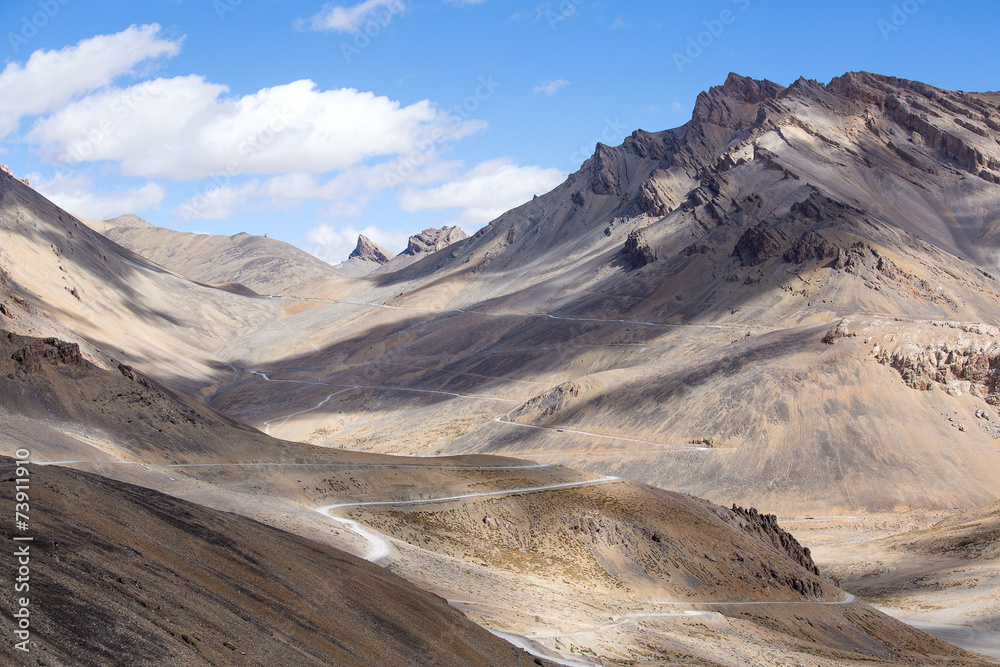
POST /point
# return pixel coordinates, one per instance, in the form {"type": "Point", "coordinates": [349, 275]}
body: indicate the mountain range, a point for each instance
{"type": "Point", "coordinates": [786, 307]}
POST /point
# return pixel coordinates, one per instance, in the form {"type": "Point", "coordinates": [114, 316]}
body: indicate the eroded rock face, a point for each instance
{"type": "Point", "coordinates": [726, 105]}
{"type": "Point", "coordinates": [637, 251]}
{"type": "Point", "coordinates": [432, 240]}
{"type": "Point", "coordinates": [370, 251]}
{"type": "Point", "coordinates": [48, 352]}
{"type": "Point", "coordinates": [961, 365]}
{"type": "Point", "coordinates": [838, 332]}
{"type": "Point", "coordinates": [915, 110]}
{"type": "Point", "coordinates": [766, 528]}
{"type": "Point", "coordinates": [955, 357]}
{"type": "Point", "coordinates": [808, 247]}
{"type": "Point", "coordinates": [653, 200]}
{"type": "Point", "coordinates": [757, 245]}
{"type": "Point", "coordinates": [604, 172]}
{"type": "Point", "coordinates": [547, 404]}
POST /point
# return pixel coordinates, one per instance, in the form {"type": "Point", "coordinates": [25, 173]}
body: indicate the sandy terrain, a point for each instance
{"type": "Point", "coordinates": [935, 570]}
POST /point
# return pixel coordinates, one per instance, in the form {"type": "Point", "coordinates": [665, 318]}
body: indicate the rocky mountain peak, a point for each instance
{"type": "Point", "coordinates": [370, 251]}
{"type": "Point", "coordinates": [729, 105]}
{"type": "Point", "coordinates": [432, 240]}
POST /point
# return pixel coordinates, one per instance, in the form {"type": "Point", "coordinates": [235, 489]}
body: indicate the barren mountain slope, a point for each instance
{"type": "Point", "coordinates": [265, 265]}
{"type": "Point", "coordinates": [648, 574]}
{"type": "Point", "coordinates": [60, 278]}
{"type": "Point", "coordinates": [122, 574]}
{"type": "Point", "coordinates": [537, 542]}
{"type": "Point", "coordinates": [678, 291]}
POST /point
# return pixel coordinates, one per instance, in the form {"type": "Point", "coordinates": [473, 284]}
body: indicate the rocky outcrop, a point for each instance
{"type": "Point", "coordinates": [637, 252]}
{"type": "Point", "coordinates": [840, 331]}
{"type": "Point", "coordinates": [4, 169]}
{"type": "Point", "coordinates": [757, 245]}
{"type": "Point", "coordinates": [861, 259]}
{"type": "Point", "coordinates": [432, 240]}
{"type": "Point", "coordinates": [890, 94]}
{"type": "Point", "coordinates": [129, 373]}
{"type": "Point", "coordinates": [369, 251]}
{"type": "Point", "coordinates": [47, 352]}
{"type": "Point", "coordinates": [765, 527]}
{"type": "Point", "coordinates": [547, 404]}
{"type": "Point", "coordinates": [654, 200]}
{"type": "Point", "coordinates": [808, 247]}
{"type": "Point", "coordinates": [955, 357]}
{"type": "Point", "coordinates": [727, 105]}
{"type": "Point", "coordinates": [965, 362]}
{"type": "Point", "coordinates": [604, 171]}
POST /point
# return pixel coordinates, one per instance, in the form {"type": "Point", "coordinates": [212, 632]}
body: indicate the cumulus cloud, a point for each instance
{"type": "Point", "coordinates": [334, 243]}
{"type": "Point", "coordinates": [337, 18]}
{"type": "Point", "coordinates": [76, 195]}
{"type": "Point", "coordinates": [217, 202]}
{"type": "Point", "coordinates": [270, 150]}
{"type": "Point", "coordinates": [51, 78]}
{"type": "Point", "coordinates": [186, 127]}
{"type": "Point", "coordinates": [551, 87]}
{"type": "Point", "coordinates": [484, 192]}
{"type": "Point", "coordinates": [346, 194]}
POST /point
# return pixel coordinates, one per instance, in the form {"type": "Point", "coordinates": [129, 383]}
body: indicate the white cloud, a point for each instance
{"type": "Point", "coordinates": [337, 18]}
{"type": "Point", "coordinates": [334, 244]}
{"type": "Point", "coordinates": [51, 78]}
{"type": "Point", "coordinates": [345, 194]}
{"type": "Point", "coordinates": [486, 191]}
{"type": "Point", "coordinates": [618, 23]}
{"type": "Point", "coordinates": [186, 128]}
{"type": "Point", "coordinates": [76, 195]}
{"type": "Point", "coordinates": [358, 182]}
{"type": "Point", "coordinates": [270, 150]}
{"type": "Point", "coordinates": [216, 202]}
{"type": "Point", "coordinates": [551, 87]}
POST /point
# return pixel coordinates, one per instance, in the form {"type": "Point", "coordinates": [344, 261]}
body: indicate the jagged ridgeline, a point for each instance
{"type": "Point", "coordinates": [719, 255]}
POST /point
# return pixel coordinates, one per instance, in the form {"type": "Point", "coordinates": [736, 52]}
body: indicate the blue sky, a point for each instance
{"type": "Point", "coordinates": [313, 122]}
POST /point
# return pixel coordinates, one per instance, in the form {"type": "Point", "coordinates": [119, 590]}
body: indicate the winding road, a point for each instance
{"type": "Point", "coordinates": [267, 424]}
{"type": "Point", "coordinates": [500, 420]}
{"type": "Point", "coordinates": [348, 387]}
{"type": "Point", "coordinates": [379, 546]}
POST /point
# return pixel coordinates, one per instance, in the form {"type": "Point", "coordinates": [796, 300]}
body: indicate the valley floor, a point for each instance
{"type": "Point", "coordinates": [951, 596]}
